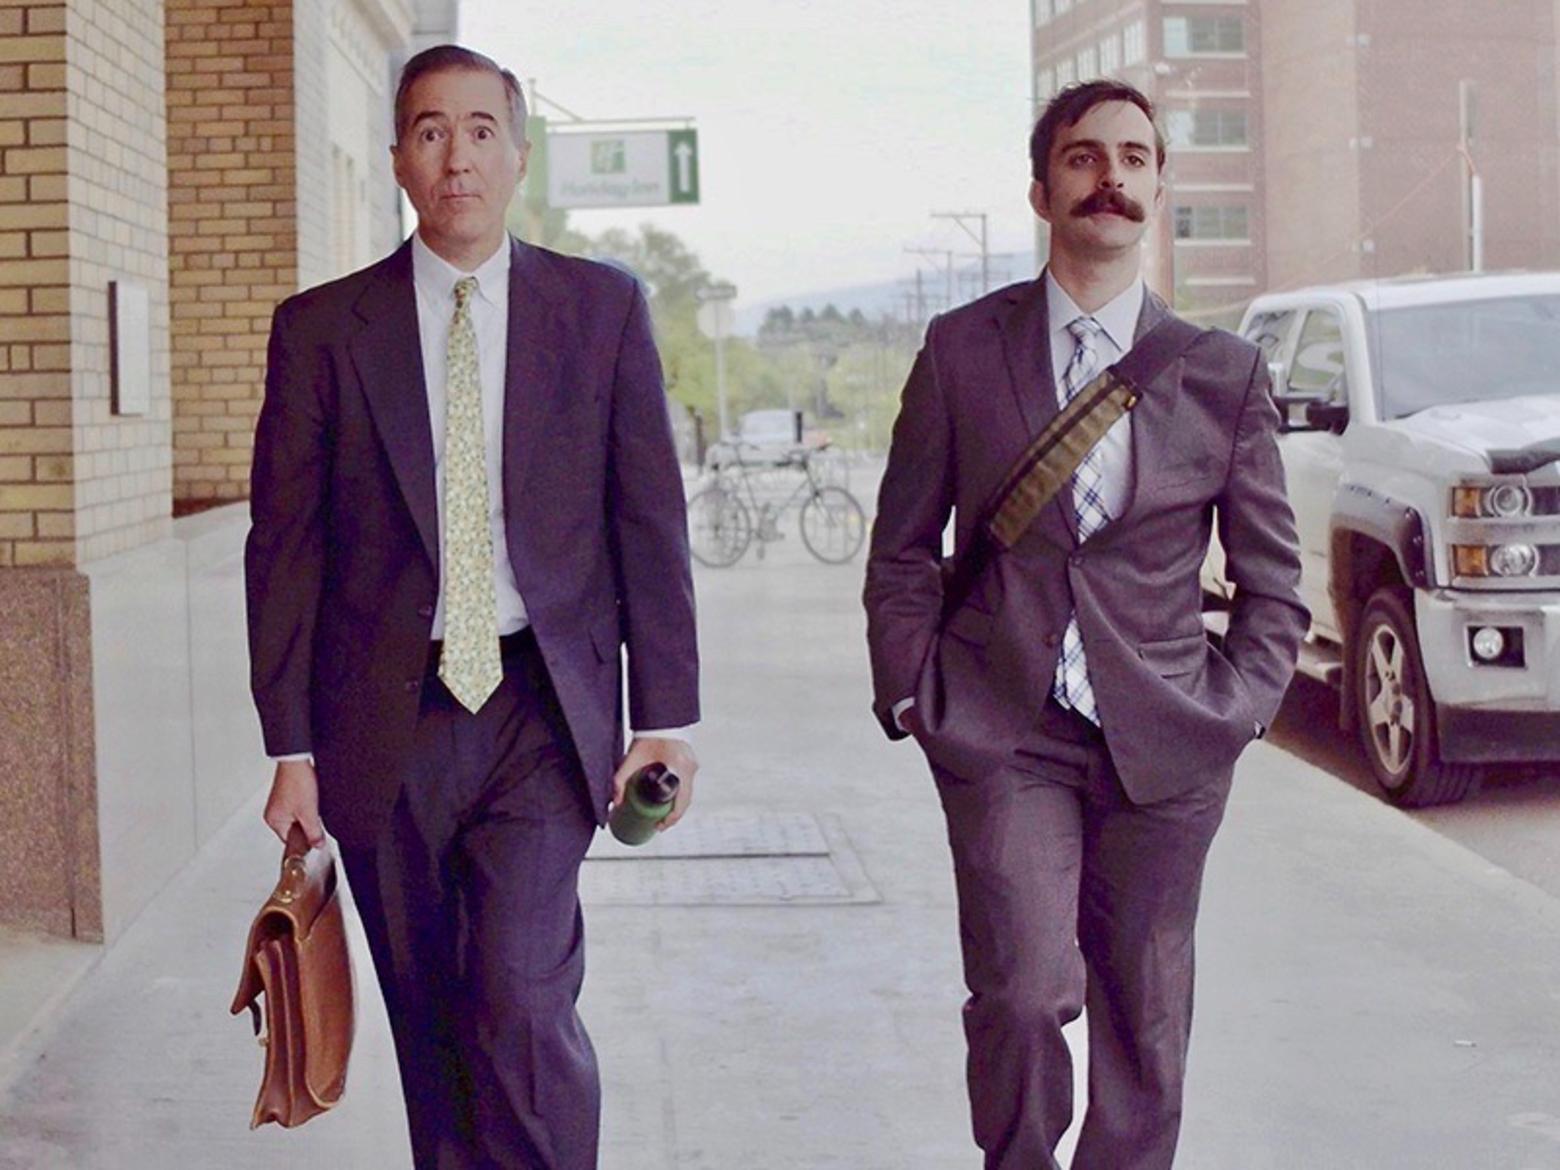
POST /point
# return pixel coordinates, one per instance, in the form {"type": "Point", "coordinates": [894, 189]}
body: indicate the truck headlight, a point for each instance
{"type": "Point", "coordinates": [1502, 500]}
{"type": "Point", "coordinates": [1513, 560]}
{"type": "Point", "coordinates": [1494, 560]}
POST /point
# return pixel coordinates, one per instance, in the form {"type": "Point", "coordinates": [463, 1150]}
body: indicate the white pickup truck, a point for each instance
{"type": "Point", "coordinates": [1421, 433]}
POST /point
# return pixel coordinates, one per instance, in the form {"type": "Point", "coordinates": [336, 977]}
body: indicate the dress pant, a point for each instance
{"type": "Point", "coordinates": [470, 903]}
{"type": "Point", "coordinates": [1070, 894]}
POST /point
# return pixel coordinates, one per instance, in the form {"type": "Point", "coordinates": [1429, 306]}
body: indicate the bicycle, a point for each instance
{"type": "Point", "coordinates": [721, 523]}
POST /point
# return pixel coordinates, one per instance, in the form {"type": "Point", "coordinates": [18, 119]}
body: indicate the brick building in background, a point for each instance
{"type": "Point", "coordinates": [1322, 141]}
{"type": "Point", "coordinates": [180, 166]}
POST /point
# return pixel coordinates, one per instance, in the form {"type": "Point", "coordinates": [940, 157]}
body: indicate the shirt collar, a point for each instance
{"type": "Point", "coordinates": [1118, 317]}
{"type": "Point", "coordinates": [436, 276]}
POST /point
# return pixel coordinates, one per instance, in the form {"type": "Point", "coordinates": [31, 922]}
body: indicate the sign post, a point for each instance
{"type": "Point", "coordinates": [714, 320]}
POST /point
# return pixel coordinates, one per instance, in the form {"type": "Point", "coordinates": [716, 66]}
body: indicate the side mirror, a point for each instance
{"type": "Point", "coordinates": [1327, 416]}
{"type": "Point", "coordinates": [1278, 373]}
{"type": "Point", "coordinates": [1293, 412]}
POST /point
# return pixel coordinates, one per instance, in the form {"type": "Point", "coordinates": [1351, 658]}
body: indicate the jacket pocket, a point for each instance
{"type": "Point", "coordinates": [1175, 656]}
{"type": "Point", "coordinates": [969, 625]}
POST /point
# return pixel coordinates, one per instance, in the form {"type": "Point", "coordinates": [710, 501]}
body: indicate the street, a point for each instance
{"type": "Point", "coordinates": [1513, 822]}
{"type": "Point", "coordinates": [777, 986]}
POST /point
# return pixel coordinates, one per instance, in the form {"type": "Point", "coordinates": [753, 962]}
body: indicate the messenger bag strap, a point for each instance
{"type": "Point", "coordinates": [1050, 460]}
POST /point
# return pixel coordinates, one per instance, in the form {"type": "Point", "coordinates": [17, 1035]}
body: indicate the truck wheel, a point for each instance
{"type": "Point", "coordinates": [1396, 716]}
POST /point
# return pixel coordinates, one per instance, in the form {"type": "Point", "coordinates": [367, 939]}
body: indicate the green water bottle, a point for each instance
{"type": "Point", "coordinates": [647, 799]}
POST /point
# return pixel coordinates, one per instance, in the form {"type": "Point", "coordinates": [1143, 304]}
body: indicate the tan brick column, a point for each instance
{"type": "Point", "coordinates": [233, 238]}
{"type": "Point", "coordinates": [37, 497]}
{"type": "Point", "coordinates": [48, 828]}
{"type": "Point", "coordinates": [82, 205]}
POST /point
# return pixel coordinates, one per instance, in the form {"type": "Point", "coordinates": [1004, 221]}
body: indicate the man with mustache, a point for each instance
{"type": "Point", "coordinates": [466, 503]}
{"type": "Point", "coordinates": [1081, 729]}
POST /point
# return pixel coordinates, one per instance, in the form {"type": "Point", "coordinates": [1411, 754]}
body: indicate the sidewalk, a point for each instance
{"type": "Point", "coordinates": [1371, 996]}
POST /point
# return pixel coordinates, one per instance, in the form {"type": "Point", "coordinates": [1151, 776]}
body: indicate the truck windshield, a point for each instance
{"type": "Point", "coordinates": [1465, 351]}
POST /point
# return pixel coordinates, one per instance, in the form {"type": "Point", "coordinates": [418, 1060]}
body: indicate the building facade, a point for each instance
{"type": "Point", "coordinates": [169, 171]}
{"type": "Point", "coordinates": [1328, 140]}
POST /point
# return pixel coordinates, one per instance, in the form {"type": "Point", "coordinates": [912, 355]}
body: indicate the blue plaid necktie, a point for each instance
{"type": "Point", "coordinates": [1071, 687]}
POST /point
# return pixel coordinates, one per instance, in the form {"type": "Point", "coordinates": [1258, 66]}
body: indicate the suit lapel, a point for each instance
{"type": "Point", "coordinates": [1025, 324]}
{"type": "Point", "coordinates": [387, 354]}
{"type": "Point", "coordinates": [1153, 417]}
{"type": "Point", "coordinates": [530, 373]}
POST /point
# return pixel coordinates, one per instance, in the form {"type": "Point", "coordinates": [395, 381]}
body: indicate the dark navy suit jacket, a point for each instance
{"type": "Point", "coordinates": [342, 558]}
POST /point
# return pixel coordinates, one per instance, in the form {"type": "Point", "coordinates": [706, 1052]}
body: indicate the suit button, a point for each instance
{"type": "Point", "coordinates": [425, 611]}
{"type": "Point", "coordinates": [413, 684]}
{"type": "Point", "coordinates": [1077, 558]}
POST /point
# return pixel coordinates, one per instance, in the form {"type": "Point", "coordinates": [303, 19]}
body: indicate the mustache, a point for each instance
{"type": "Point", "coordinates": [1113, 201]}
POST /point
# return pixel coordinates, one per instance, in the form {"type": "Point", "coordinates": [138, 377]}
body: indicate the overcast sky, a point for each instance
{"type": "Point", "coordinates": [827, 131]}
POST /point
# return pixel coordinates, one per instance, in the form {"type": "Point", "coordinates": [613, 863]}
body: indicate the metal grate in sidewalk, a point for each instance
{"type": "Point", "coordinates": [730, 858]}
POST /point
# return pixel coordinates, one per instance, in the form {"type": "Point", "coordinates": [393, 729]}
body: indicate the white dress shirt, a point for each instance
{"type": "Point", "coordinates": [1118, 320]}
{"type": "Point", "coordinates": [434, 278]}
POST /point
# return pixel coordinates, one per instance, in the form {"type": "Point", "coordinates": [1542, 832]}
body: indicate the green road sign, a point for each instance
{"type": "Point", "coordinates": [683, 162]}
{"type": "Point", "coordinates": [586, 167]}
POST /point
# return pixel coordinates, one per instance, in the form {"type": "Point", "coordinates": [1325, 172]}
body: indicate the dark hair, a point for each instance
{"type": "Point", "coordinates": [1069, 106]}
{"type": "Point", "coordinates": [444, 58]}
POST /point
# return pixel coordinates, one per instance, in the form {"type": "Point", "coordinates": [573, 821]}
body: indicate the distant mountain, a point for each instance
{"type": "Point", "coordinates": [893, 297]}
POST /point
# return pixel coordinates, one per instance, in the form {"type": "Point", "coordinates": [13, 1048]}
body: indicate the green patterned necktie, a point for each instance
{"type": "Point", "coordinates": [470, 665]}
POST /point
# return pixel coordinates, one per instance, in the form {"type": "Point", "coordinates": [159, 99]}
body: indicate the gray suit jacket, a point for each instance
{"type": "Point", "coordinates": [1175, 709]}
{"type": "Point", "coordinates": [342, 559]}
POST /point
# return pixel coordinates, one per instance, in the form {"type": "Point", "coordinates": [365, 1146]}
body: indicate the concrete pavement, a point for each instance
{"type": "Point", "coordinates": [1371, 996]}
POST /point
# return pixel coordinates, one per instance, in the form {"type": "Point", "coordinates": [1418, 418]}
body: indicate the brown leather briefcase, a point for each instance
{"type": "Point", "coordinates": [298, 960]}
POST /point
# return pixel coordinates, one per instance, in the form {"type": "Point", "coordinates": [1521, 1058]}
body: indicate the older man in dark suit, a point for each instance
{"type": "Point", "coordinates": [465, 503]}
{"type": "Point", "coordinates": [1081, 729]}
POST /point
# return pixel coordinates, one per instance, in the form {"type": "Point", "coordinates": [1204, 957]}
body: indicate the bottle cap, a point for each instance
{"type": "Point", "coordinates": [656, 784]}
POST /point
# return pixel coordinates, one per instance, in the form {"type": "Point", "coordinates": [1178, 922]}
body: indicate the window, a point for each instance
{"type": "Point", "coordinates": [1317, 368]}
{"type": "Point", "coordinates": [1088, 63]}
{"type": "Point", "coordinates": [1110, 55]}
{"type": "Point", "coordinates": [1134, 43]}
{"type": "Point", "coordinates": [1064, 74]}
{"type": "Point", "coordinates": [1269, 331]}
{"type": "Point", "coordinates": [1464, 351]}
{"type": "Point", "coordinates": [1042, 12]}
{"type": "Point", "coordinates": [1193, 128]}
{"type": "Point", "coordinates": [1188, 36]}
{"type": "Point", "coordinates": [1045, 84]}
{"type": "Point", "coordinates": [1211, 223]}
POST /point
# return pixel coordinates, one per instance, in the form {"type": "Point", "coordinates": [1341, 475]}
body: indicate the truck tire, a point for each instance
{"type": "Point", "coordinates": [1394, 711]}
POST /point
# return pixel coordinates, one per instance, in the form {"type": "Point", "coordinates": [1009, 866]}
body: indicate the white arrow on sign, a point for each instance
{"type": "Point", "coordinates": [684, 153]}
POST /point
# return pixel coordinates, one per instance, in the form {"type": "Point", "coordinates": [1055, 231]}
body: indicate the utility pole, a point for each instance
{"type": "Point", "coordinates": [714, 320]}
{"type": "Point", "coordinates": [947, 255]}
{"type": "Point", "coordinates": [959, 217]}
{"type": "Point", "coordinates": [1473, 182]}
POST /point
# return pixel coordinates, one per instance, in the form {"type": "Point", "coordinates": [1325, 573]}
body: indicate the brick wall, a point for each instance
{"type": "Point", "coordinates": [118, 231]}
{"type": "Point", "coordinates": [232, 177]}
{"type": "Point", "coordinates": [313, 163]}
{"type": "Point", "coordinates": [37, 499]}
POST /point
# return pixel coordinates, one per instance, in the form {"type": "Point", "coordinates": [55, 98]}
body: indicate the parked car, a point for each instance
{"type": "Point", "coordinates": [1420, 434]}
{"type": "Point", "coordinates": [766, 437]}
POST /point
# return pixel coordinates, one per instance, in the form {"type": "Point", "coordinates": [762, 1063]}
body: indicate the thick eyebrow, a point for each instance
{"type": "Point", "coordinates": [427, 115]}
{"type": "Point", "coordinates": [1096, 144]}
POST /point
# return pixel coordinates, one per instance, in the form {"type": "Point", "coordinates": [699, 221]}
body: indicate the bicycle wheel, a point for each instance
{"type": "Point", "coordinates": [719, 527]}
{"type": "Point", "coordinates": [833, 525]}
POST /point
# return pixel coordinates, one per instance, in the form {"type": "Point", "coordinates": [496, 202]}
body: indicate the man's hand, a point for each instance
{"type": "Point", "coordinates": [678, 757]}
{"type": "Point", "coordinates": [295, 799]}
